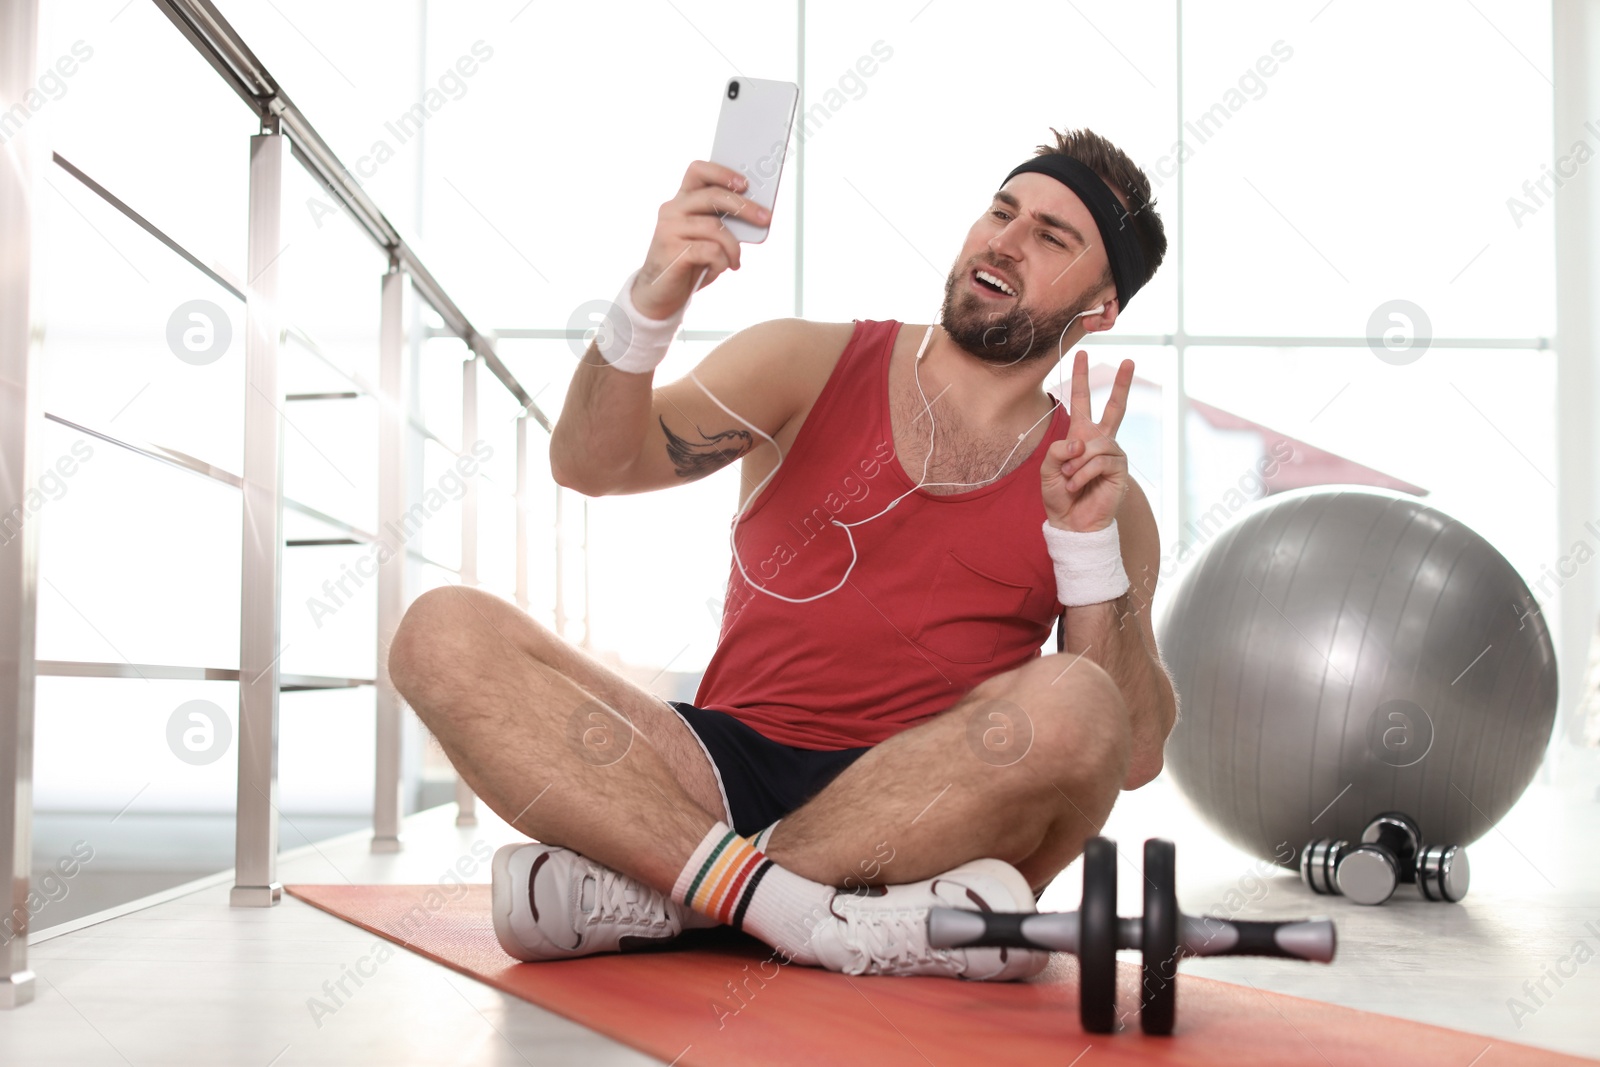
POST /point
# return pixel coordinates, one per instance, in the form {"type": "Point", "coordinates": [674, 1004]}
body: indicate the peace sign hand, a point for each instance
{"type": "Point", "coordinates": [1085, 474]}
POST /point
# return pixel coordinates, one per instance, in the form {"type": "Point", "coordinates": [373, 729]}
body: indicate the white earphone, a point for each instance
{"type": "Point", "coordinates": [927, 408]}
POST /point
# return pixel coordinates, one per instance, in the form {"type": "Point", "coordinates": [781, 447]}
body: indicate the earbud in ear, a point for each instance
{"type": "Point", "coordinates": [1095, 310]}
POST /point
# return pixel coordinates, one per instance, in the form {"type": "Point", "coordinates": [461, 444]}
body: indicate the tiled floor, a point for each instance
{"type": "Point", "coordinates": [192, 981]}
{"type": "Point", "coordinates": [135, 854]}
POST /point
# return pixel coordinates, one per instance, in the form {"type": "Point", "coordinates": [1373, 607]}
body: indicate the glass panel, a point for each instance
{"type": "Point", "coordinates": [497, 483]}
{"type": "Point", "coordinates": [1353, 418]}
{"type": "Point", "coordinates": [1315, 196]}
{"type": "Point", "coordinates": [330, 457]}
{"type": "Point", "coordinates": [330, 605]}
{"type": "Point", "coordinates": [103, 744]}
{"type": "Point", "coordinates": [145, 116]}
{"type": "Point", "coordinates": [147, 803]}
{"type": "Point", "coordinates": [438, 375]}
{"type": "Point", "coordinates": [121, 815]}
{"type": "Point", "coordinates": [325, 764]}
{"type": "Point", "coordinates": [884, 221]}
{"type": "Point", "coordinates": [541, 505]}
{"type": "Point", "coordinates": [138, 343]}
{"type": "Point", "coordinates": [329, 277]}
{"type": "Point", "coordinates": [513, 227]}
{"type": "Point", "coordinates": [139, 561]}
{"type": "Point", "coordinates": [303, 371]}
{"type": "Point", "coordinates": [432, 524]}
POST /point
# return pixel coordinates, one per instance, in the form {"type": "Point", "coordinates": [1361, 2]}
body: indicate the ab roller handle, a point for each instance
{"type": "Point", "coordinates": [1163, 934]}
{"type": "Point", "coordinates": [1204, 935]}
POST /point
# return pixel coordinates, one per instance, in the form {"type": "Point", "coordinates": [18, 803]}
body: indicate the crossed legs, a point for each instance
{"type": "Point", "coordinates": [1023, 769]}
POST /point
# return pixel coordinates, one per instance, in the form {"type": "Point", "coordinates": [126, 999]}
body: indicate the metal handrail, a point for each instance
{"type": "Point", "coordinates": [217, 41]}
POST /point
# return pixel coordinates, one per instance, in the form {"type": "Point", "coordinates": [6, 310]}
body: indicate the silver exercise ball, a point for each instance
{"type": "Point", "coordinates": [1342, 651]}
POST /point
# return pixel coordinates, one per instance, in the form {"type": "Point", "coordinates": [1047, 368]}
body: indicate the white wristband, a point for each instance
{"type": "Point", "coordinates": [1088, 565]}
{"type": "Point", "coordinates": [630, 342]}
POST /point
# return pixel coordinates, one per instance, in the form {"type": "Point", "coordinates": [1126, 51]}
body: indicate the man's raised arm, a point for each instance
{"type": "Point", "coordinates": [617, 433]}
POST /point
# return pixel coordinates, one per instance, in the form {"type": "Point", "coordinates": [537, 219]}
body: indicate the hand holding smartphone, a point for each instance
{"type": "Point", "coordinates": [722, 201]}
{"type": "Point", "coordinates": [753, 139]}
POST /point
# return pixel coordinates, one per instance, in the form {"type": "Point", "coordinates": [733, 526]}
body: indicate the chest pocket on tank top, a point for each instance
{"type": "Point", "coordinates": [965, 610]}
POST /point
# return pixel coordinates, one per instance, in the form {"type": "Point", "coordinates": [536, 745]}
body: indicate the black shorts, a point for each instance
{"type": "Point", "coordinates": [761, 780]}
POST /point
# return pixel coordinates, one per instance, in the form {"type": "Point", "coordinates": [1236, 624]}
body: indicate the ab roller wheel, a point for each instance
{"type": "Point", "coordinates": [1097, 937]}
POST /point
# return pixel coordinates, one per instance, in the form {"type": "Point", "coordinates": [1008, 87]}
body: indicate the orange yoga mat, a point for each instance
{"type": "Point", "coordinates": [728, 1001]}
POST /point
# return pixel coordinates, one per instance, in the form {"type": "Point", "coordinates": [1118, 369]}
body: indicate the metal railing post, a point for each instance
{"type": "Point", "coordinates": [19, 534]}
{"type": "Point", "coordinates": [394, 356]}
{"type": "Point", "coordinates": [256, 835]}
{"type": "Point", "coordinates": [466, 801]}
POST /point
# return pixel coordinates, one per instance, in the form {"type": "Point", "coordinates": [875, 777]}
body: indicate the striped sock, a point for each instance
{"type": "Point", "coordinates": [728, 879]}
{"type": "Point", "coordinates": [763, 836]}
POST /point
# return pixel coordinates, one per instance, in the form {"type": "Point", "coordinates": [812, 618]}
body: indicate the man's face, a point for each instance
{"type": "Point", "coordinates": [1038, 240]}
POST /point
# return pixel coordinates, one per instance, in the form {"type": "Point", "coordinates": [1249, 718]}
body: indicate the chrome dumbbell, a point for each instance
{"type": "Point", "coordinates": [1319, 861]}
{"type": "Point", "coordinates": [1390, 851]}
{"type": "Point", "coordinates": [1442, 872]}
{"type": "Point", "coordinates": [1386, 855]}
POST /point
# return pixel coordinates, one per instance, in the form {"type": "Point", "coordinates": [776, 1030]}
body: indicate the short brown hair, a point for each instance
{"type": "Point", "coordinates": [1126, 180]}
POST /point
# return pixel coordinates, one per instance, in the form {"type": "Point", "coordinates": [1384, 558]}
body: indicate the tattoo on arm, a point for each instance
{"type": "Point", "coordinates": [696, 459]}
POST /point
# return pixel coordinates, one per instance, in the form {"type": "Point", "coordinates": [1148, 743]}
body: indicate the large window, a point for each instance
{"type": "Point", "coordinates": [1314, 164]}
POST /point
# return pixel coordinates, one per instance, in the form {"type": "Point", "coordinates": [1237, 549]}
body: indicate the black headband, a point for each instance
{"type": "Point", "coordinates": [1112, 219]}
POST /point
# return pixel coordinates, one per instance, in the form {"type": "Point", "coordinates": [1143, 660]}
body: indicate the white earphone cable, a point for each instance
{"type": "Point", "coordinates": [845, 526]}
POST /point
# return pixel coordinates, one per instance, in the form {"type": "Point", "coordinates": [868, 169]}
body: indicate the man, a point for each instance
{"type": "Point", "coordinates": [877, 712]}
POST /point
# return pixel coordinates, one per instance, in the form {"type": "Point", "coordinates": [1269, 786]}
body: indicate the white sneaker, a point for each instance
{"type": "Point", "coordinates": [553, 904]}
{"type": "Point", "coordinates": [886, 932]}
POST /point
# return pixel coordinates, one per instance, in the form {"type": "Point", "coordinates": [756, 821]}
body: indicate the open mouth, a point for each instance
{"type": "Point", "coordinates": [991, 285]}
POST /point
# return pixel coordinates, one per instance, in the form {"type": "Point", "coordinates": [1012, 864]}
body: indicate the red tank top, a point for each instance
{"type": "Point", "coordinates": [946, 590]}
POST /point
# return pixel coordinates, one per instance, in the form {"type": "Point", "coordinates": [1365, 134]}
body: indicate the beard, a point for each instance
{"type": "Point", "coordinates": [1012, 336]}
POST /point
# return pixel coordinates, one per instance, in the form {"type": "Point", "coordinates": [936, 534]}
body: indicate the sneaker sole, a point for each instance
{"type": "Point", "coordinates": [503, 901]}
{"type": "Point", "coordinates": [505, 872]}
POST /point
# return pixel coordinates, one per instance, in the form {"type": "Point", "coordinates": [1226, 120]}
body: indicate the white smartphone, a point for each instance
{"type": "Point", "coordinates": [753, 139]}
